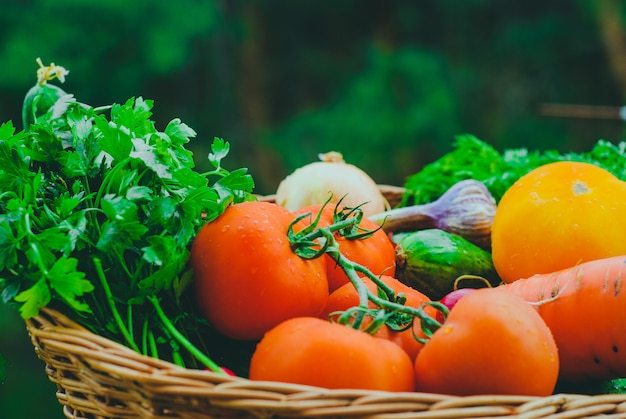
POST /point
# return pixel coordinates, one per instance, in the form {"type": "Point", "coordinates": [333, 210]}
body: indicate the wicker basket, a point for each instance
{"type": "Point", "coordinates": [101, 379]}
{"type": "Point", "coordinates": [98, 378]}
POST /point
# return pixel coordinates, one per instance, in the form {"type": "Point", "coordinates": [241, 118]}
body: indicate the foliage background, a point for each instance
{"type": "Point", "coordinates": [389, 84]}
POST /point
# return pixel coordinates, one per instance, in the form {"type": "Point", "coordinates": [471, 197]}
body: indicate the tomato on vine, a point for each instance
{"type": "Point", "coordinates": [367, 244]}
{"type": "Point", "coordinates": [347, 296]}
{"type": "Point", "coordinates": [247, 278]}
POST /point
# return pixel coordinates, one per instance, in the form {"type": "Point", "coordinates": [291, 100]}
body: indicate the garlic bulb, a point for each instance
{"type": "Point", "coordinates": [315, 182]}
{"type": "Point", "coordinates": [466, 209]}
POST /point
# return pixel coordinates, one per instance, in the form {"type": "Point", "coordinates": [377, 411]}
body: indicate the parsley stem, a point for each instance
{"type": "Point", "coordinates": [116, 314]}
{"type": "Point", "coordinates": [198, 354]}
{"type": "Point", "coordinates": [144, 338]}
{"type": "Point", "coordinates": [99, 109]}
{"type": "Point", "coordinates": [154, 349]}
{"type": "Point", "coordinates": [129, 317]}
{"type": "Point", "coordinates": [177, 358]}
{"type": "Point", "coordinates": [110, 174]}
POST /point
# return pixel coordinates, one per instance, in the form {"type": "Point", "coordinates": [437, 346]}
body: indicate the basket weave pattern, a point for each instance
{"type": "Point", "coordinates": [98, 378]}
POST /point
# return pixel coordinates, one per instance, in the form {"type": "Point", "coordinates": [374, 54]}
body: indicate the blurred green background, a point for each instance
{"type": "Point", "coordinates": [388, 84]}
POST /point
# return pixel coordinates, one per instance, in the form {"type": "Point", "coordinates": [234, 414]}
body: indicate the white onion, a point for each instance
{"type": "Point", "coordinates": [315, 182]}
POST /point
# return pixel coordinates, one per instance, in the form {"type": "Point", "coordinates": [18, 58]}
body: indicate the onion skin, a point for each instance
{"type": "Point", "coordinates": [315, 182]}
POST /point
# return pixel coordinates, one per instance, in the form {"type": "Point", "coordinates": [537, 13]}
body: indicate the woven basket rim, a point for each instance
{"type": "Point", "coordinates": [99, 378]}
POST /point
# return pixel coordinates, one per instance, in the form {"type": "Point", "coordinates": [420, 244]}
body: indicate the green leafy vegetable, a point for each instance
{"type": "Point", "coordinates": [98, 210]}
{"type": "Point", "coordinates": [472, 158]}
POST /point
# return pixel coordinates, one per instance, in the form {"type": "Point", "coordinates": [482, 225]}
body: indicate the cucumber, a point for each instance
{"type": "Point", "coordinates": [431, 260]}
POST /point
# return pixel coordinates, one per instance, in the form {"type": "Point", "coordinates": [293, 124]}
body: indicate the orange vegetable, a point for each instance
{"type": "Point", "coordinates": [346, 296]}
{"type": "Point", "coordinates": [493, 342]}
{"type": "Point", "coordinates": [312, 351]}
{"type": "Point", "coordinates": [246, 277]}
{"type": "Point", "coordinates": [376, 252]}
{"type": "Point", "coordinates": [585, 307]}
{"type": "Point", "coordinates": [557, 216]}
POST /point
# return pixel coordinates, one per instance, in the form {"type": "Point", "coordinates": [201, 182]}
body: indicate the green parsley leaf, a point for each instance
{"type": "Point", "coordinates": [179, 132]}
{"type": "Point", "coordinates": [70, 283]}
{"type": "Point", "coordinates": [219, 150]}
{"type": "Point", "coordinates": [123, 225]}
{"type": "Point", "coordinates": [475, 159]}
{"type": "Point", "coordinates": [98, 210]}
{"type": "Point", "coordinates": [12, 166]}
{"type": "Point", "coordinates": [160, 249]}
{"type": "Point", "coordinates": [33, 299]}
{"type": "Point", "coordinates": [146, 153]}
{"type": "Point", "coordinates": [112, 140]}
{"type": "Point", "coordinates": [8, 246]}
{"type": "Point", "coordinates": [6, 130]}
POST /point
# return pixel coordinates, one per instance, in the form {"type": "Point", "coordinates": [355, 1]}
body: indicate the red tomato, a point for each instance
{"type": "Point", "coordinates": [312, 351]}
{"type": "Point", "coordinates": [493, 342]}
{"type": "Point", "coordinates": [247, 279]}
{"type": "Point", "coordinates": [346, 296]}
{"type": "Point", "coordinates": [377, 252]}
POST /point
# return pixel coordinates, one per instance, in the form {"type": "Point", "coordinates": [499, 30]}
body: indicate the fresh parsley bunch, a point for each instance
{"type": "Point", "coordinates": [472, 158]}
{"type": "Point", "coordinates": [98, 210]}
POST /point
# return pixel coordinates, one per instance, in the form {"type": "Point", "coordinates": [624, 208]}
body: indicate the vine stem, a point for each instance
{"type": "Point", "coordinates": [313, 236]}
{"type": "Point", "coordinates": [182, 340]}
{"type": "Point", "coordinates": [111, 301]}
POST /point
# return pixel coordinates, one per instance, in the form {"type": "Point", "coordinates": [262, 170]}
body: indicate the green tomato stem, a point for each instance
{"type": "Point", "coordinates": [312, 235]}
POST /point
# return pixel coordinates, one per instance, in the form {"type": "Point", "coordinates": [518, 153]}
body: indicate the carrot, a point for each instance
{"type": "Point", "coordinates": [585, 308]}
